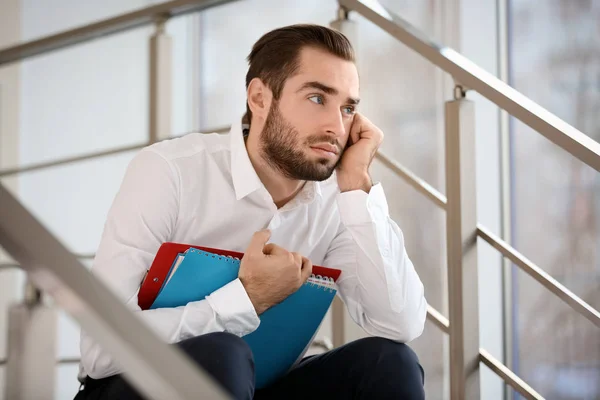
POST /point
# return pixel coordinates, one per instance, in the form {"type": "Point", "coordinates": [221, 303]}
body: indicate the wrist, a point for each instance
{"type": "Point", "coordinates": [360, 180]}
{"type": "Point", "coordinates": [259, 306]}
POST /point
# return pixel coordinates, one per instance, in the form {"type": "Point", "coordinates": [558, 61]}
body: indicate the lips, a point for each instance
{"type": "Point", "coordinates": [326, 147]}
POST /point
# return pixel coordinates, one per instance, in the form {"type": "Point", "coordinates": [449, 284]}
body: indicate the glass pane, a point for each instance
{"type": "Point", "coordinates": [86, 98]}
{"type": "Point", "coordinates": [432, 349]}
{"type": "Point", "coordinates": [48, 18]}
{"type": "Point", "coordinates": [67, 336]}
{"type": "Point", "coordinates": [558, 350]}
{"type": "Point", "coordinates": [66, 384]}
{"type": "Point", "coordinates": [555, 60]}
{"type": "Point", "coordinates": [73, 200]}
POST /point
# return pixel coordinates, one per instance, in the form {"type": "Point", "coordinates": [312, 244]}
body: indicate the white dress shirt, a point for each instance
{"type": "Point", "coordinates": [202, 189]}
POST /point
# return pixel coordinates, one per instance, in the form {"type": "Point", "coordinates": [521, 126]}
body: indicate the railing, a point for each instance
{"type": "Point", "coordinates": [462, 226]}
{"type": "Point", "coordinates": [84, 297]}
{"type": "Point", "coordinates": [157, 370]}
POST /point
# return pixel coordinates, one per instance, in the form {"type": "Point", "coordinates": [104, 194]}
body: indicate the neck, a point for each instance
{"type": "Point", "coordinates": [281, 188]}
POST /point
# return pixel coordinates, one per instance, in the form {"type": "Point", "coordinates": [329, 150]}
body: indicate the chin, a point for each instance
{"type": "Point", "coordinates": [325, 173]}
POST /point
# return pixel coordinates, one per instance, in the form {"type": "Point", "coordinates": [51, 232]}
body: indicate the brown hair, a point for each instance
{"type": "Point", "coordinates": [274, 57]}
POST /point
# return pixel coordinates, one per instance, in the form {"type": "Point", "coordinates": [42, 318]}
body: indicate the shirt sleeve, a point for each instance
{"type": "Point", "coordinates": [379, 284]}
{"type": "Point", "coordinates": [144, 215]}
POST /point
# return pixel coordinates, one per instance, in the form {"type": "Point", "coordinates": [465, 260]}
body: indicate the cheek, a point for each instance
{"type": "Point", "coordinates": [343, 141]}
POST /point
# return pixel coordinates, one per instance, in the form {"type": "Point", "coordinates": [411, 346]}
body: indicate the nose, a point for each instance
{"type": "Point", "coordinates": [335, 124]}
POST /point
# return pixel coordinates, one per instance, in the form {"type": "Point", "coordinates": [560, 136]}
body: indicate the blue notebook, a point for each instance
{"type": "Point", "coordinates": [285, 331]}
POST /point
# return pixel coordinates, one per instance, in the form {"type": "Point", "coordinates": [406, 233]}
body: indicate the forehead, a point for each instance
{"type": "Point", "coordinates": [316, 65]}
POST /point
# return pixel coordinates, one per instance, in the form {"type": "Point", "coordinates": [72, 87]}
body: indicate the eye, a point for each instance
{"type": "Point", "coordinates": [349, 110]}
{"type": "Point", "coordinates": [317, 99]}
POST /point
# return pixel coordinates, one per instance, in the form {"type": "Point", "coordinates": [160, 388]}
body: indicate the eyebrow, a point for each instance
{"type": "Point", "coordinates": [327, 90]}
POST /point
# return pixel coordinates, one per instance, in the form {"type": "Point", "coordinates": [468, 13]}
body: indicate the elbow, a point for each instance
{"type": "Point", "coordinates": [411, 323]}
{"type": "Point", "coordinates": [95, 363]}
{"type": "Point", "coordinates": [415, 325]}
{"type": "Point", "coordinates": [89, 362]}
{"type": "Point", "coordinates": [98, 366]}
{"type": "Point", "coordinates": [402, 327]}
{"type": "Point", "coordinates": [413, 330]}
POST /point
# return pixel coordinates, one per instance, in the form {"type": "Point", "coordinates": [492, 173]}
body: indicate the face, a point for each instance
{"type": "Point", "coordinates": [307, 129]}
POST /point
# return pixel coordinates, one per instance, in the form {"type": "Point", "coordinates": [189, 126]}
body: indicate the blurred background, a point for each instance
{"type": "Point", "coordinates": [94, 96]}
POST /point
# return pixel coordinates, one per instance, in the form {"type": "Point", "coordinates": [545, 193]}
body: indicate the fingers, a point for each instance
{"type": "Point", "coordinates": [356, 128]}
{"type": "Point", "coordinates": [258, 241]}
{"type": "Point", "coordinates": [274, 250]}
{"type": "Point", "coordinates": [306, 269]}
{"type": "Point", "coordinates": [297, 259]}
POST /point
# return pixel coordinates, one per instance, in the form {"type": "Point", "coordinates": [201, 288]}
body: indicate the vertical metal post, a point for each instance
{"type": "Point", "coordinates": [348, 27]}
{"type": "Point", "coordinates": [160, 82]}
{"type": "Point", "coordinates": [505, 178]}
{"type": "Point", "coordinates": [461, 231]}
{"type": "Point", "coordinates": [31, 346]}
{"type": "Point", "coordinates": [338, 313]}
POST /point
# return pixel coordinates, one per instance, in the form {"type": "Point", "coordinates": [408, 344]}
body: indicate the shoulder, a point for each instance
{"type": "Point", "coordinates": [190, 145]}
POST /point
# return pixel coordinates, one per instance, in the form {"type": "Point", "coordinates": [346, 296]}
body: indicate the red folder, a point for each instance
{"type": "Point", "coordinates": [166, 256]}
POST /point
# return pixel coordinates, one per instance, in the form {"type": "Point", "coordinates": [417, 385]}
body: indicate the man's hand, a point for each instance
{"type": "Point", "coordinates": [270, 273]}
{"type": "Point", "coordinates": [353, 170]}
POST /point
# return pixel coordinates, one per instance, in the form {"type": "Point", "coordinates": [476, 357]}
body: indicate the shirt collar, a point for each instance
{"type": "Point", "coordinates": [245, 178]}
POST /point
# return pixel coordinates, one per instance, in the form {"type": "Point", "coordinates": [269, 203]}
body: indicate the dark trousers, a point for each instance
{"type": "Point", "coordinates": [370, 368]}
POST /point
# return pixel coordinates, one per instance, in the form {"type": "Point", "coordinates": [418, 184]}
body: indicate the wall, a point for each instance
{"type": "Point", "coordinates": [555, 60]}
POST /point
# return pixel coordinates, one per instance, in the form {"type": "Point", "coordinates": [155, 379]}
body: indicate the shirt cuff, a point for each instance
{"type": "Point", "coordinates": [234, 308]}
{"type": "Point", "coordinates": [358, 207]}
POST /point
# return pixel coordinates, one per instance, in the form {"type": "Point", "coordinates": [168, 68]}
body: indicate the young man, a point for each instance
{"type": "Point", "coordinates": [289, 186]}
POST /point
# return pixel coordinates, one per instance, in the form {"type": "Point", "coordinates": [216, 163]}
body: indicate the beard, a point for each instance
{"type": "Point", "coordinates": [281, 148]}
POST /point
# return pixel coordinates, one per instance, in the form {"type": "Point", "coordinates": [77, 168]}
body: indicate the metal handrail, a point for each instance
{"type": "Point", "coordinates": [412, 179]}
{"type": "Point", "coordinates": [508, 376]}
{"type": "Point", "coordinates": [90, 156]}
{"type": "Point", "coordinates": [121, 23]}
{"type": "Point", "coordinates": [60, 361]}
{"type": "Point", "coordinates": [438, 319]}
{"type": "Point", "coordinates": [9, 266]}
{"type": "Point", "coordinates": [471, 76]}
{"type": "Point", "coordinates": [533, 270]}
{"type": "Point", "coordinates": [540, 275]}
{"type": "Point", "coordinates": [527, 266]}
{"type": "Point", "coordinates": [156, 369]}
{"type": "Point", "coordinates": [443, 324]}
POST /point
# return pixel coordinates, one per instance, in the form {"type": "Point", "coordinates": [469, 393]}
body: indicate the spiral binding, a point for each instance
{"type": "Point", "coordinates": [219, 256]}
{"type": "Point", "coordinates": [318, 281]}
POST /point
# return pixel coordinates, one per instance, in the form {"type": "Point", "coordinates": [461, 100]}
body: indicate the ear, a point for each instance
{"type": "Point", "coordinates": [259, 98]}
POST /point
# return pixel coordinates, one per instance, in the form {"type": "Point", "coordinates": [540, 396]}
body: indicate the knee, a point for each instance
{"type": "Point", "coordinates": [217, 343]}
{"type": "Point", "coordinates": [392, 368]}
{"type": "Point", "coordinates": [226, 357]}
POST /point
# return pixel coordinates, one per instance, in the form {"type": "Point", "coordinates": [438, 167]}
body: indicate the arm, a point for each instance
{"type": "Point", "coordinates": [143, 216]}
{"type": "Point", "coordinates": [379, 284]}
